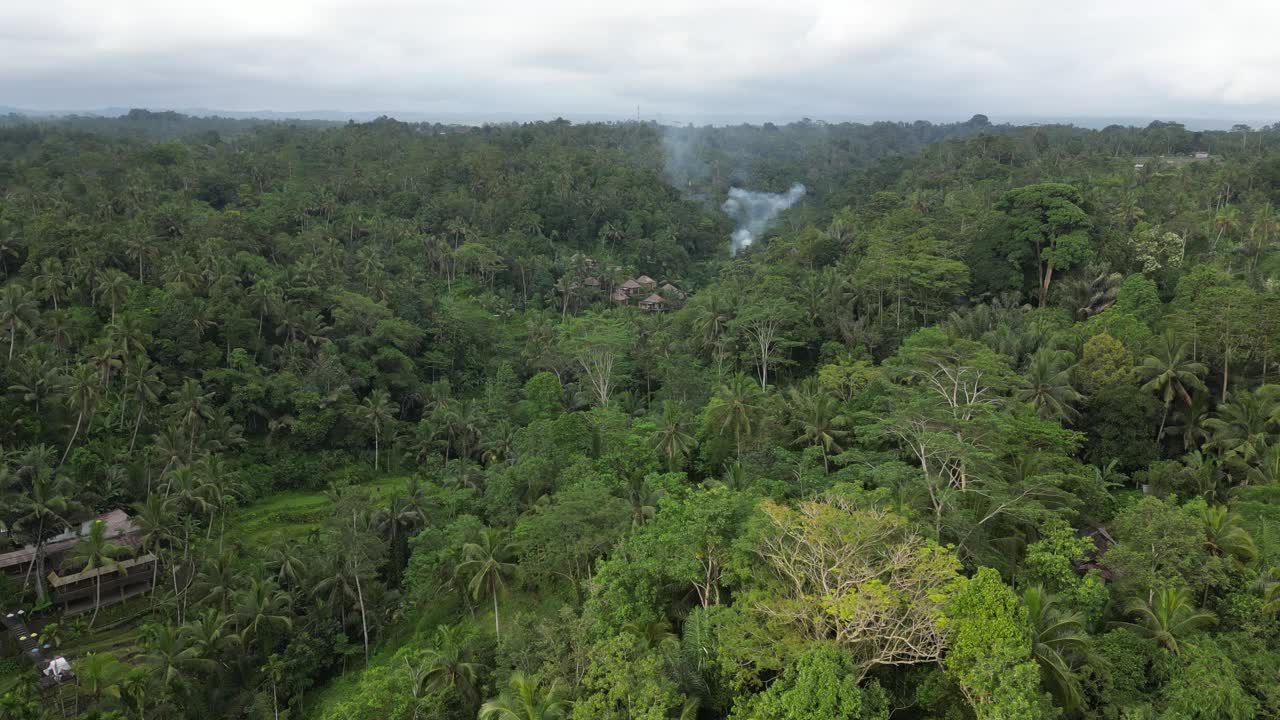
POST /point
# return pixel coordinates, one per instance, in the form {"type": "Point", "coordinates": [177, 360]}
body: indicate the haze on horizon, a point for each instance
{"type": "Point", "coordinates": [671, 59]}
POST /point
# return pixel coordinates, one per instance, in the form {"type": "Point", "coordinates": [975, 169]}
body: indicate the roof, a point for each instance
{"type": "Point", "coordinates": [620, 296]}
{"type": "Point", "coordinates": [631, 283]}
{"type": "Point", "coordinates": [57, 581]}
{"type": "Point", "coordinates": [653, 300]}
{"type": "Point", "coordinates": [646, 280]}
{"type": "Point", "coordinates": [118, 524]}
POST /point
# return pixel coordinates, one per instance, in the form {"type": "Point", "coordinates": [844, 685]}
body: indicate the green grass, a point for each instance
{"type": "Point", "coordinates": [291, 515]}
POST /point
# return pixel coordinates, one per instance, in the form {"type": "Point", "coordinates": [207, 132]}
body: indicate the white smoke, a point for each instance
{"type": "Point", "coordinates": [755, 211]}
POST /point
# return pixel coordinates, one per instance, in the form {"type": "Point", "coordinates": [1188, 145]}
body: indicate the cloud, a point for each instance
{"type": "Point", "coordinates": [821, 58]}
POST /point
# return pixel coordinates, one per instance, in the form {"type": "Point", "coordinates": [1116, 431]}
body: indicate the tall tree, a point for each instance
{"type": "Point", "coordinates": [96, 552]}
{"type": "Point", "coordinates": [487, 567]}
{"type": "Point", "coordinates": [1049, 217]}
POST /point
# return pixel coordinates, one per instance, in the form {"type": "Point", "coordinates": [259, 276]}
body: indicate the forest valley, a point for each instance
{"type": "Point", "coordinates": [986, 426]}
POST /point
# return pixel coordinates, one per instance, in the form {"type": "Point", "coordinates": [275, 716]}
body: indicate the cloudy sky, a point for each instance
{"type": "Point", "coordinates": [828, 59]}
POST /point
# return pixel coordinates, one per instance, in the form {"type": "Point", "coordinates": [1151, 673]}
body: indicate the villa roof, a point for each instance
{"type": "Point", "coordinates": [646, 280]}
{"type": "Point", "coordinates": [630, 283]}
{"type": "Point", "coordinates": [653, 299]}
{"type": "Point", "coordinates": [117, 522]}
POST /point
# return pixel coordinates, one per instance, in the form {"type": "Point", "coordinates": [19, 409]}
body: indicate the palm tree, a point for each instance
{"type": "Point", "coordinates": [449, 664]}
{"type": "Point", "coordinates": [1170, 373]}
{"type": "Point", "coordinates": [1091, 291]}
{"type": "Point", "coordinates": [192, 407]}
{"type": "Point", "coordinates": [1225, 536]}
{"type": "Point", "coordinates": [101, 674]}
{"type": "Point", "coordinates": [261, 607]}
{"type": "Point", "coordinates": [171, 658]}
{"type": "Point", "coordinates": [525, 700]}
{"type": "Point", "coordinates": [144, 378]}
{"type": "Point", "coordinates": [82, 396]}
{"type": "Point", "coordinates": [211, 634]}
{"type": "Point", "coordinates": [377, 411]}
{"type": "Point", "coordinates": [1058, 642]}
{"type": "Point", "coordinates": [51, 282]}
{"type": "Point", "coordinates": [818, 421]}
{"type": "Point", "coordinates": [643, 500]}
{"type": "Point", "coordinates": [45, 505]}
{"type": "Point", "coordinates": [112, 287]}
{"type": "Point", "coordinates": [1167, 618]}
{"type": "Point", "coordinates": [267, 298]}
{"type": "Point", "coordinates": [670, 439]}
{"type": "Point", "coordinates": [288, 564]}
{"type": "Point", "coordinates": [487, 565]}
{"type": "Point", "coordinates": [39, 378]}
{"type": "Point", "coordinates": [736, 408]}
{"type": "Point", "coordinates": [216, 582]}
{"type": "Point", "coordinates": [1241, 429]}
{"type": "Point", "coordinates": [95, 551]}
{"type": "Point", "coordinates": [1227, 220]}
{"type": "Point", "coordinates": [155, 519]}
{"type": "Point", "coordinates": [1189, 422]}
{"type": "Point", "coordinates": [1049, 388]}
{"type": "Point", "coordinates": [18, 312]}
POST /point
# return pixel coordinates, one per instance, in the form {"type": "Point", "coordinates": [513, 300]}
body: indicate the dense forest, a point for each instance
{"type": "Point", "coordinates": [987, 427]}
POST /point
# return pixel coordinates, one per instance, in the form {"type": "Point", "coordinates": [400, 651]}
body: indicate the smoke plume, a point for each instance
{"type": "Point", "coordinates": [755, 211]}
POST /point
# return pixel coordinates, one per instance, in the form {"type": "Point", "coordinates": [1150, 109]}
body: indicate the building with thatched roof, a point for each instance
{"type": "Point", "coordinates": [653, 303]}
{"type": "Point", "coordinates": [647, 281]}
{"type": "Point", "coordinates": [620, 297]}
{"type": "Point", "coordinates": [630, 287]}
{"type": "Point", "coordinates": [672, 291]}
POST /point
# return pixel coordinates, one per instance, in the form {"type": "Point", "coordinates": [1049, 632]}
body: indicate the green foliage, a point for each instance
{"type": "Point", "coordinates": [819, 685]}
{"type": "Point", "coordinates": [990, 656]}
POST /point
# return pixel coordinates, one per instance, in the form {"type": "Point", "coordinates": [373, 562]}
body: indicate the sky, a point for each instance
{"type": "Point", "coordinates": [674, 60]}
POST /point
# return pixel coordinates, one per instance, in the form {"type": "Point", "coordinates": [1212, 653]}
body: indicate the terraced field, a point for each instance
{"type": "Point", "coordinates": [291, 515]}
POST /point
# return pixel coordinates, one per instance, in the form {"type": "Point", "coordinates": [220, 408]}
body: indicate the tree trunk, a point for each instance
{"type": "Point", "coordinates": [71, 442]}
{"type": "Point", "coordinates": [97, 598]}
{"type": "Point", "coordinates": [364, 624]}
{"type": "Point", "coordinates": [137, 424]}
{"type": "Point", "coordinates": [497, 627]}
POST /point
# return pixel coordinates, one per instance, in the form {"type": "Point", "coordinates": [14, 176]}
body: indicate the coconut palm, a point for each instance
{"type": "Point", "coordinates": [145, 386]}
{"type": "Point", "coordinates": [736, 408]}
{"type": "Point", "coordinates": [211, 633]}
{"type": "Point", "coordinates": [1168, 618]}
{"type": "Point", "coordinates": [671, 439]}
{"type": "Point", "coordinates": [1225, 536]}
{"type": "Point", "coordinates": [261, 608]}
{"type": "Point", "coordinates": [487, 566]}
{"type": "Point", "coordinates": [100, 674]}
{"type": "Point", "coordinates": [1226, 221]}
{"type": "Point", "coordinates": [41, 510]}
{"type": "Point", "coordinates": [1189, 422]}
{"type": "Point", "coordinates": [818, 421]}
{"type": "Point", "coordinates": [1049, 388]}
{"type": "Point", "coordinates": [112, 288]}
{"type": "Point", "coordinates": [192, 407]}
{"type": "Point", "coordinates": [1058, 643]}
{"type": "Point", "coordinates": [95, 551]}
{"type": "Point", "coordinates": [1242, 428]}
{"type": "Point", "coordinates": [1170, 373]}
{"type": "Point", "coordinates": [643, 500]}
{"type": "Point", "coordinates": [51, 281]}
{"type": "Point", "coordinates": [171, 658]}
{"type": "Point", "coordinates": [525, 700]}
{"type": "Point", "coordinates": [287, 563]}
{"type": "Point", "coordinates": [376, 411]}
{"type": "Point", "coordinates": [449, 664]}
{"type": "Point", "coordinates": [18, 312]}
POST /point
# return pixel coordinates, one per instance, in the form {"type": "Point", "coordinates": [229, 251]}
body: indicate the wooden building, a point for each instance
{"type": "Point", "coordinates": [654, 303]}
